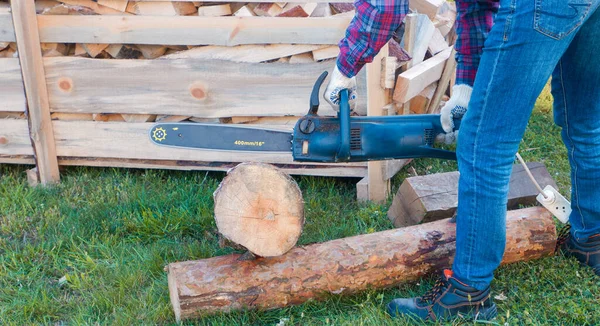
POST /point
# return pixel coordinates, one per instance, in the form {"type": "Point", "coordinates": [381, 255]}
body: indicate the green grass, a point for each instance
{"type": "Point", "coordinates": [92, 249]}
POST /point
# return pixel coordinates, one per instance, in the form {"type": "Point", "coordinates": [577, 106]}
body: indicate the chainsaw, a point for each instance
{"type": "Point", "coordinates": [315, 138]}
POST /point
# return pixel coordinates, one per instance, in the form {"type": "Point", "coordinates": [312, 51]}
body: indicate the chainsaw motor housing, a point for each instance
{"type": "Point", "coordinates": [358, 139]}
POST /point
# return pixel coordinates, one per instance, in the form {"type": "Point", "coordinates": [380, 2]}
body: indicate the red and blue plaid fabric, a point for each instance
{"type": "Point", "coordinates": [376, 20]}
{"type": "Point", "coordinates": [370, 29]}
{"type": "Point", "coordinates": [474, 22]}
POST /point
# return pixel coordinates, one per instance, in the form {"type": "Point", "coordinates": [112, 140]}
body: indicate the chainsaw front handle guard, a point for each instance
{"type": "Point", "coordinates": [343, 154]}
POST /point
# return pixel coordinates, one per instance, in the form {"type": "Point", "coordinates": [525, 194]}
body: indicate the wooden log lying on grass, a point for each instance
{"type": "Point", "coordinates": [376, 260]}
{"type": "Point", "coordinates": [260, 208]}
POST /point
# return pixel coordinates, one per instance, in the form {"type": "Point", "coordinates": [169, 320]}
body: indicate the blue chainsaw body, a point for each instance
{"type": "Point", "coordinates": [355, 139]}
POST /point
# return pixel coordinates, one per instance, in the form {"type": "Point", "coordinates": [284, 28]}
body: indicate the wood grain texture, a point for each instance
{"type": "Point", "coordinates": [14, 137]}
{"type": "Point", "coordinates": [95, 7]}
{"type": "Point", "coordinates": [330, 170]}
{"type": "Point", "coordinates": [260, 208]}
{"type": "Point", "coordinates": [432, 197]}
{"type": "Point", "coordinates": [191, 30]}
{"type": "Point", "coordinates": [342, 266]}
{"type": "Point", "coordinates": [7, 29]}
{"type": "Point", "coordinates": [32, 67]}
{"type": "Point", "coordinates": [411, 82]}
{"type": "Point", "coordinates": [228, 89]}
{"type": "Point", "coordinates": [245, 53]}
{"type": "Point", "coordinates": [11, 85]}
{"type": "Point", "coordinates": [428, 7]}
{"type": "Point", "coordinates": [377, 98]}
{"type": "Point", "coordinates": [131, 141]}
{"type": "Point", "coordinates": [449, 71]}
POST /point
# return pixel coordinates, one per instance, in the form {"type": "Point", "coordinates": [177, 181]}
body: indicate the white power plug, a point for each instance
{"type": "Point", "coordinates": [553, 201]}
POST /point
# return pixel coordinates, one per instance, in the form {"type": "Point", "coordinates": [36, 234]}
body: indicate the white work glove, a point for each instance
{"type": "Point", "coordinates": [337, 82]}
{"type": "Point", "coordinates": [455, 108]}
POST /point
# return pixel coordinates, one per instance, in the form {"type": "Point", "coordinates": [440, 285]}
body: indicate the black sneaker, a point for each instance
{"type": "Point", "coordinates": [448, 298]}
{"type": "Point", "coordinates": [587, 253]}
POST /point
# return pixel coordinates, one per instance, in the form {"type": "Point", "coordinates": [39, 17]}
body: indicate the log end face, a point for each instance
{"type": "Point", "coordinates": [260, 208]}
{"type": "Point", "coordinates": [174, 292]}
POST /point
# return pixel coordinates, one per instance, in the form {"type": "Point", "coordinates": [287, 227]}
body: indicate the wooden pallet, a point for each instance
{"type": "Point", "coordinates": [88, 107]}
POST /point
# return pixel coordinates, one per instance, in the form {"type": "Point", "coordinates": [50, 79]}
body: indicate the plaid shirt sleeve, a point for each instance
{"type": "Point", "coordinates": [474, 22]}
{"type": "Point", "coordinates": [370, 29]}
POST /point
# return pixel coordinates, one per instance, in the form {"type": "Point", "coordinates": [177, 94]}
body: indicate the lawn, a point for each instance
{"type": "Point", "coordinates": [92, 249]}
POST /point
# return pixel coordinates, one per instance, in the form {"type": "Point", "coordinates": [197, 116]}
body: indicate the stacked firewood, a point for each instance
{"type": "Point", "coordinates": [431, 30]}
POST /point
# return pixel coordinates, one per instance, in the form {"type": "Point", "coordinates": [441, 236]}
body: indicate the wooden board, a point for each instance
{"type": "Point", "coordinates": [377, 98]}
{"type": "Point", "coordinates": [245, 53]}
{"type": "Point", "coordinates": [435, 196]}
{"type": "Point", "coordinates": [190, 30]}
{"type": "Point", "coordinates": [294, 169]}
{"type": "Point", "coordinates": [17, 159]}
{"type": "Point", "coordinates": [7, 29]}
{"type": "Point", "coordinates": [131, 141]}
{"type": "Point", "coordinates": [38, 106]}
{"type": "Point", "coordinates": [428, 7]}
{"type": "Point", "coordinates": [411, 82]}
{"type": "Point", "coordinates": [227, 89]}
{"type": "Point", "coordinates": [11, 86]}
{"type": "Point", "coordinates": [443, 83]}
{"type": "Point", "coordinates": [16, 137]}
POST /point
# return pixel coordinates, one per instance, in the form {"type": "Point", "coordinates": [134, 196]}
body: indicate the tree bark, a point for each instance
{"type": "Point", "coordinates": [345, 265]}
{"type": "Point", "coordinates": [260, 208]}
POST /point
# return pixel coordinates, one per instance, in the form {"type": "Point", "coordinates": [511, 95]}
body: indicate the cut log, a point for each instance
{"type": "Point", "coordinates": [302, 58]}
{"type": "Point", "coordinates": [94, 6]}
{"type": "Point", "coordinates": [162, 8]}
{"type": "Point", "coordinates": [54, 49]}
{"type": "Point", "coordinates": [435, 196]}
{"type": "Point", "coordinates": [244, 11]}
{"type": "Point", "coordinates": [139, 117]}
{"type": "Point", "coordinates": [170, 118]}
{"type": "Point", "coordinates": [322, 10]}
{"type": "Point", "coordinates": [152, 51]}
{"type": "Point", "coordinates": [108, 117]}
{"type": "Point", "coordinates": [119, 5]}
{"type": "Point", "coordinates": [214, 11]}
{"type": "Point", "coordinates": [267, 9]}
{"type": "Point", "coordinates": [260, 208]}
{"type": "Point", "coordinates": [94, 49]}
{"type": "Point", "coordinates": [72, 116]}
{"type": "Point", "coordinates": [341, 7]}
{"type": "Point", "coordinates": [376, 260]}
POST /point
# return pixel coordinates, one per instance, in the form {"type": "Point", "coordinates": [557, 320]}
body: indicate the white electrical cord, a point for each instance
{"type": "Point", "coordinates": [537, 185]}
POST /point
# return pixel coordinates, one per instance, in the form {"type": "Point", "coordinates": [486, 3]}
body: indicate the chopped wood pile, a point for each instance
{"type": "Point", "coordinates": [431, 40]}
{"type": "Point", "coordinates": [114, 67]}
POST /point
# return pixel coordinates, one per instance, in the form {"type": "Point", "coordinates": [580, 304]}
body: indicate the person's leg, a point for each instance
{"type": "Point", "coordinates": [522, 50]}
{"type": "Point", "coordinates": [576, 91]}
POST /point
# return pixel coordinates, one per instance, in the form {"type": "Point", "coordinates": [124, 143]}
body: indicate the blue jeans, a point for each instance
{"type": "Point", "coordinates": [530, 41]}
